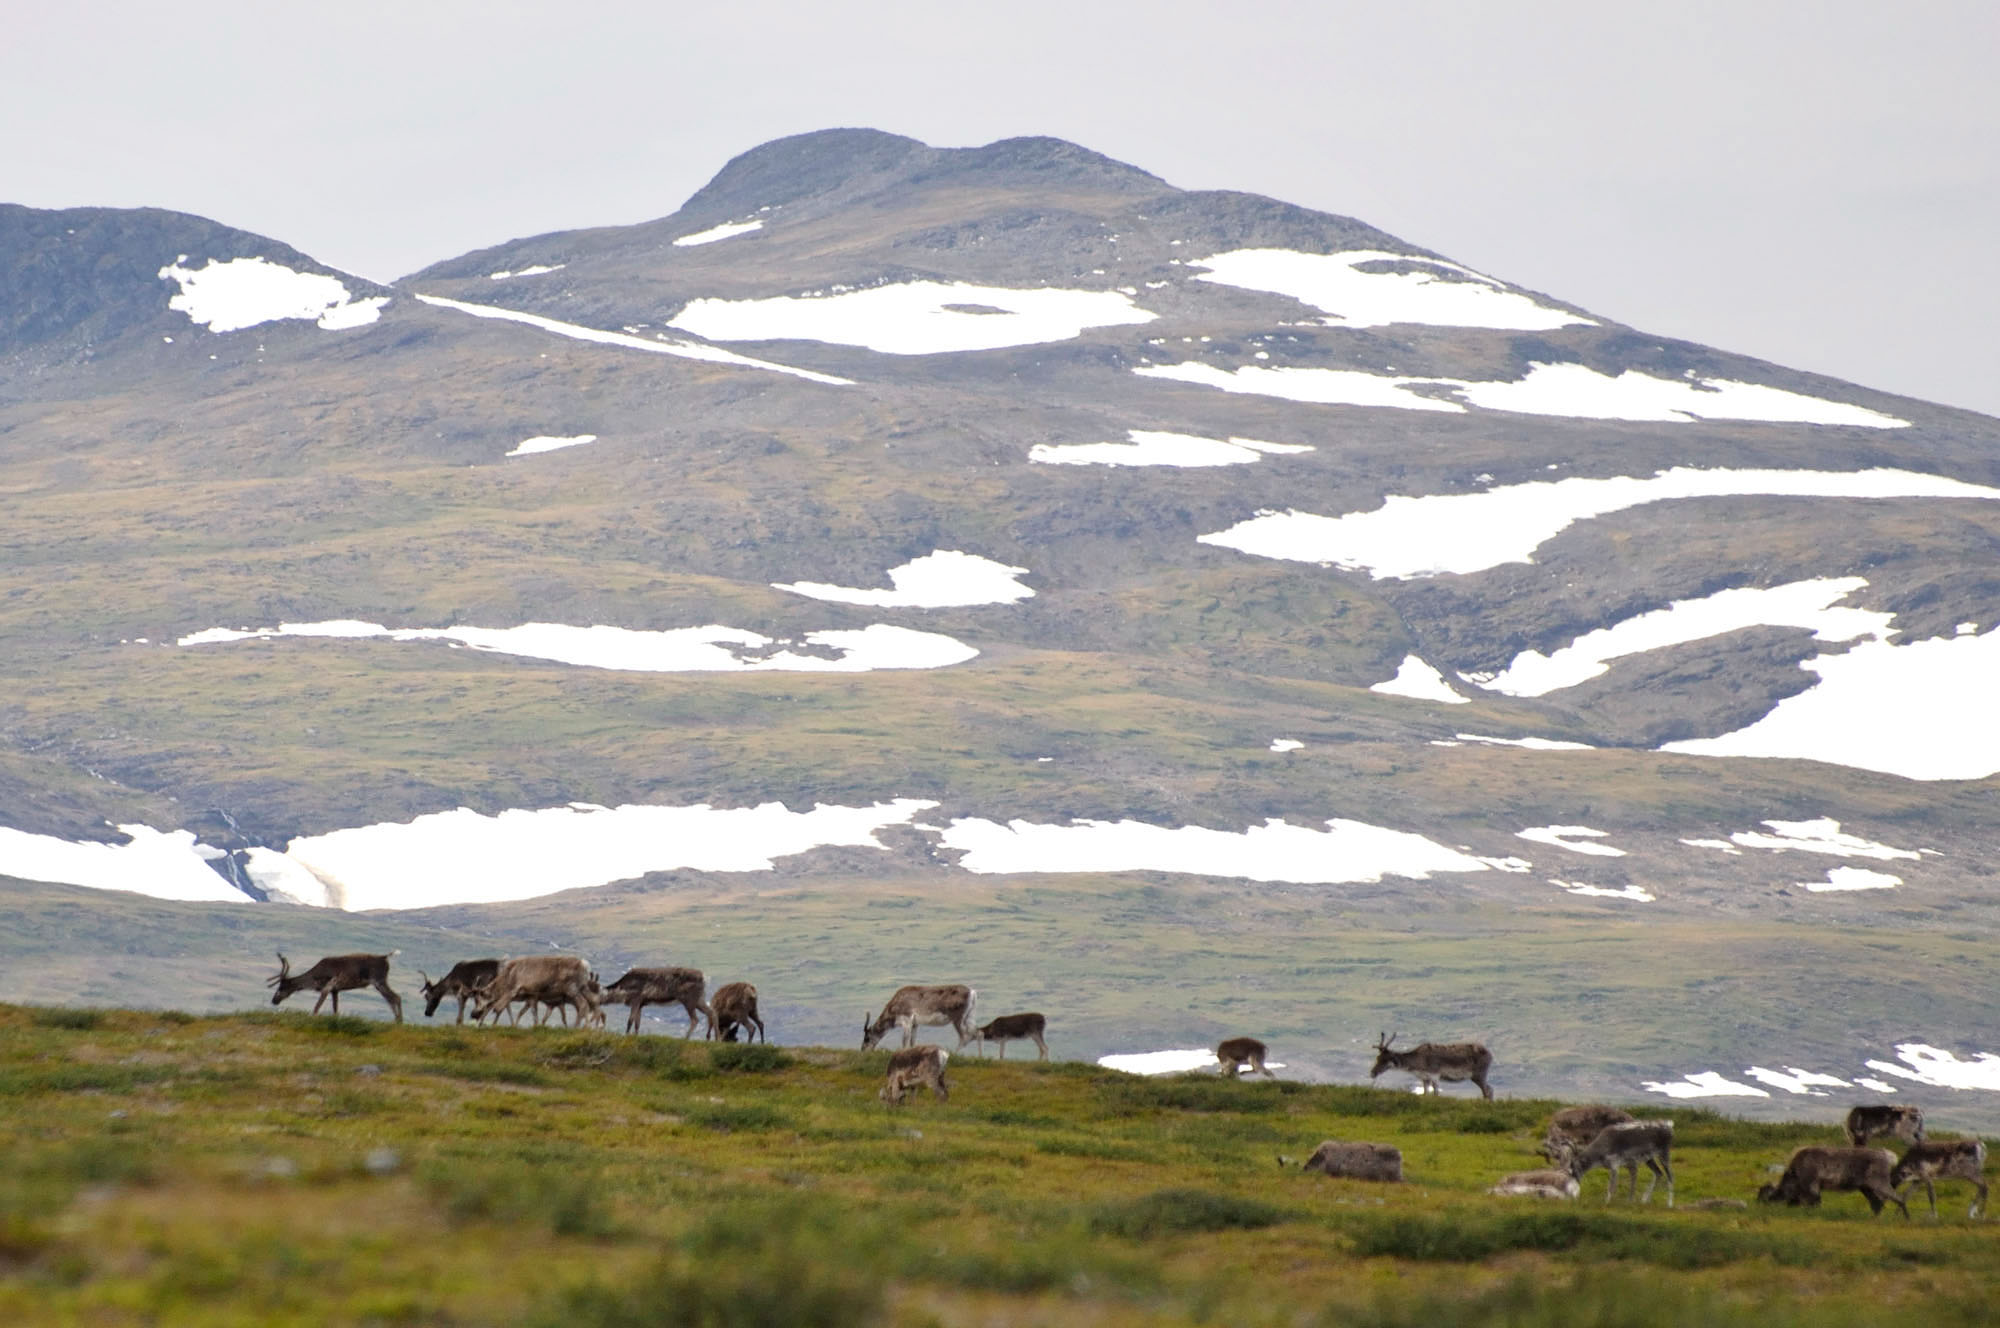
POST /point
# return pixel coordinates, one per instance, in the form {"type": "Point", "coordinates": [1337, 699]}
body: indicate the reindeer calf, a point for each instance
{"type": "Point", "coordinates": [1538, 1185]}
{"type": "Point", "coordinates": [1573, 1127]}
{"type": "Point", "coordinates": [1884, 1122]}
{"type": "Point", "coordinates": [1239, 1052]}
{"type": "Point", "coordinates": [915, 1067]}
{"type": "Point", "coordinates": [1627, 1144]}
{"type": "Point", "coordinates": [1931, 1161]}
{"type": "Point", "coordinates": [1352, 1161]}
{"type": "Point", "coordinates": [734, 1008]}
{"type": "Point", "coordinates": [1013, 1028]}
{"type": "Point", "coordinates": [1813, 1169]}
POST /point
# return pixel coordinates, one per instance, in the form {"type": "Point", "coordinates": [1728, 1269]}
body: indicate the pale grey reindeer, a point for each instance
{"type": "Point", "coordinates": [1537, 1185]}
{"type": "Point", "coordinates": [1453, 1062]}
{"type": "Point", "coordinates": [1573, 1127]}
{"type": "Point", "coordinates": [1627, 1144]}
{"type": "Point", "coordinates": [538, 980]}
{"type": "Point", "coordinates": [913, 1006]}
{"type": "Point", "coordinates": [1884, 1122]}
{"type": "Point", "coordinates": [1933, 1160]}
{"type": "Point", "coordinates": [915, 1067]}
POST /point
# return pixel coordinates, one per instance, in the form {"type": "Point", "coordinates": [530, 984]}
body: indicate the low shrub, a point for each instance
{"type": "Point", "coordinates": [1466, 1238]}
{"type": "Point", "coordinates": [747, 1058]}
{"type": "Point", "coordinates": [340, 1025]}
{"type": "Point", "coordinates": [55, 1017]}
{"type": "Point", "coordinates": [563, 1199]}
{"type": "Point", "coordinates": [1165, 1211]}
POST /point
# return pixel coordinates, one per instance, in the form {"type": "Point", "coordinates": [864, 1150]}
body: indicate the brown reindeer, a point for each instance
{"type": "Point", "coordinates": [465, 981]}
{"type": "Point", "coordinates": [641, 987]}
{"type": "Point", "coordinates": [1012, 1028]}
{"type": "Point", "coordinates": [1812, 1169]}
{"type": "Point", "coordinates": [1884, 1122]}
{"type": "Point", "coordinates": [1627, 1144]}
{"type": "Point", "coordinates": [1432, 1061]}
{"type": "Point", "coordinates": [915, 1067]}
{"type": "Point", "coordinates": [1573, 1127]}
{"type": "Point", "coordinates": [1357, 1161]}
{"type": "Point", "coordinates": [1930, 1161]}
{"type": "Point", "coordinates": [537, 980]}
{"type": "Point", "coordinates": [1236, 1053]}
{"type": "Point", "coordinates": [732, 1009]}
{"type": "Point", "coordinates": [335, 974]}
{"type": "Point", "coordinates": [912, 1006]}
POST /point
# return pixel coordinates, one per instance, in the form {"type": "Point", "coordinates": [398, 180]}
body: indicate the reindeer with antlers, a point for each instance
{"type": "Point", "coordinates": [1453, 1062]}
{"type": "Point", "coordinates": [335, 974]}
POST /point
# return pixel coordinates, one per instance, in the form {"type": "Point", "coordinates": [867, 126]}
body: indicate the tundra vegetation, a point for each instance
{"type": "Point", "coordinates": [279, 1168]}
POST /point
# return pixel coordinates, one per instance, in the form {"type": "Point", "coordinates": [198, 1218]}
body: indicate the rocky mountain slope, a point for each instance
{"type": "Point", "coordinates": [1184, 611]}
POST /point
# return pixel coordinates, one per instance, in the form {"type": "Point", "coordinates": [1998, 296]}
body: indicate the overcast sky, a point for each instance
{"type": "Point", "coordinates": [1813, 183]}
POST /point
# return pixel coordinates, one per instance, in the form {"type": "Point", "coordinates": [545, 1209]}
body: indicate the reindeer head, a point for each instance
{"type": "Point", "coordinates": [282, 982]}
{"type": "Point", "coordinates": [872, 1030]}
{"type": "Point", "coordinates": [434, 994]}
{"type": "Point", "coordinates": [1385, 1059]}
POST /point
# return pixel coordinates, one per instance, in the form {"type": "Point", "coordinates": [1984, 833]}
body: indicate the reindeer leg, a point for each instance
{"type": "Point", "coordinates": [1979, 1204]}
{"type": "Point", "coordinates": [395, 1001]}
{"type": "Point", "coordinates": [1930, 1187]}
{"type": "Point", "coordinates": [1044, 1055]}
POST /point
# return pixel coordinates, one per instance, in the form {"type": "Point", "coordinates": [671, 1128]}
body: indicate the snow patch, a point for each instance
{"type": "Point", "coordinates": [1706, 1084]}
{"type": "Point", "coordinates": [1853, 878]}
{"type": "Point", "coordinates": [1823, 835]}
{"type": "Point", "coordinates": [164, 864]}
{"type": "Point", "coordinates": [915, 317]}
{"type": "Point", "coordinates": [244, 292]}
{"type": "Point", "coordinates": [1169, 1062]}
{"type": "Point", "coordinates": [1794, 1080]}
{"type": "Point", "coordinates": [1148, 448]}
{"type": "Point", "coordinates": [722, 232]}
{"type": "Point", "coordinates": [1601, 892]}
{"type": "Point", "coordinates": [1529, 744]}
{"type": "Point", "coordinates": [1943, 1069]}
{"type": "Point", "coordinates": [1286, 744]}
{"type": "Point", "coordinates": [529, 446]}
{"type": "Point", "coordinates": [1320, 387]}
{"type": "Point", "coordinates": [1414, 678]}
{"type": "Point", "coordinates": [537, 270]}
{"type": "Point", "coordinates": [1564, 836]}
{"type": "Point", "coordinates": [1437, 293]}
{"type": "Point", "coordinates": [946, 578]}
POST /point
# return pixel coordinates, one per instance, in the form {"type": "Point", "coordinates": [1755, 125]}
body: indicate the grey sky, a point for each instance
{"type": "Point", "coordinates": [1814, 183]}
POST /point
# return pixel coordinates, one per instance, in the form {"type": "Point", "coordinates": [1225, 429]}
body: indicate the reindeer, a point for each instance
{"type": "Point", "coordinates": [1946, 1159]}
{"type": "Point", "coordinates": [335, 974]}
{"type": "Point", "coordinates": [733, 1008]}
{"type": "Point", "coordinates": [1432, 1061]}
{"type": "Point", "coordinates": [1537, 1185]}
{"type": "Point", "coordinates": [911, 1006]}
{"type": "Point", "coordinates": [1010, 1028]}
{"type": "Point", "coordinates": [465, 981]}
{"type": "Point", "coordinates": [1573, 1127]}
{"type": "Point", "coordinates": [1812, 1169]}
{"type": "Point", "coordinates": [589, 1012]}
{"type": "Point", "coordinates": [1236, 1053]}
{"type": "Point", "coordinates": [1356, 1161]}
{"type": "Point", "coordinates": [641, 987]}
{"type": "Point", "coordinates": [537, 979]}
{"type": "Point", "coordinates": [915, 1067]}
{"type": "Point", "coordinates": [1884, 1122]}
{"type": "Point", "coordinates": [1627, 1144]}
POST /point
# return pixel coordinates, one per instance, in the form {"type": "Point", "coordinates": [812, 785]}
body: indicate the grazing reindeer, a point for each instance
{"type": "Point", "coordinates": [641, 987]}
{"type": "Point", "coordinates": [1573, 1127]}
{"type": "Point", "coordinates": [915, 1067]}
{"type": "Point", "coordinates": [733, 1008]}
{"type": "Point", "coordinates": [1236, 1053]}
{"type": "Point", "coordinates": [1945, 1159]}
{"type": "Point", "coordinates": [1627, 1144]}
{"type": "Point", "coordinates": [589, 1013]}
{"type": "Point", "coordinates": [1538, 1185]}
{"type": "Point", "coordinates": [1884, 1122]}
{"type": "Point", "coordinates": [1432, 1061]}
{"type": "Point", "coordinates": [911, 1006]}
{"type": "Point", "coordinates": [1354, 1161]}
{"type": "Point", "coordinates": [538, 980]}
{"type": "Point", "coordinates": [335, 974]}
{"type": "Point", "coordinates": [1010, 1028]}
{"type": "Point", "coordinates": [1813, 1169]}
{"type": "Point", "coordinates": [465, 981]}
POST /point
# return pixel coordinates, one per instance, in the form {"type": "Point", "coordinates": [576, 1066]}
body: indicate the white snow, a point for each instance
{"type": "Point", "coordinates": [243, 292]}
{"type": "Point", "coordinates": [1415, 678]}
{"type": "Point", "coordinates": [1875, 1084]}
{"type": "Point", "coordinates": [1286, 744]}
{"type": "Point", "coordinates": [915, 317]}
{"type": "Point", "coordinates": [1346, 852]}
{"type": "Point", "coordinates": [1601, 892]}
{"type": "Point", "coordinates": [1169, 1062]}
{"type": "Point", "coordinates": [537, 270]}
{"type": "Point", "coordinates": [1822, 835]}
{"type": "Point", "coordinates": [545, 443]}
{"type": "Point", "coordinates": [163, 864]}
{"type": "Point", "coordinates": [1923, 710]}
{"type": "Point", "coordinates": [1442, 294]}
{"type": "Point", "coordinates": [1803, 604]}
{"type": "Point", "coordinates": [1565, 836]}
{"type": "Point", "coordinates": [462, 857]}
{"type": "Point", "coordinates": [1706, 1084]}
{"type": "Point", "coordinates": [1571, 390]}
{"type": "Point", "coordinates": [1149, 448]}
{"type": "Point", "coordinates": [1530, 744]}
{"type": "Point", "coordinates": [946, 578]}
{"type": "Point", "coordinates": [1943, 1069]}
{"type": "Point", "coordinates": [679, 650]}
{"type": "Point", "coordinates": [1464, 533]}
{"type": "Point", "coordinates": [722, 232]}
{"type": "Point", "coordinates": [1722, 844]}
{"type": "Point", "coordinates": [1853, 878]}
{"type": "Point", "coordinates": [686, 350]}
{"type": "Point", "coordinates": [1794, 1080]}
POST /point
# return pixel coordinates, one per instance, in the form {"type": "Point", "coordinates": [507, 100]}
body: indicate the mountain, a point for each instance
{"type": "Point", "coordinates": [1181, 612]}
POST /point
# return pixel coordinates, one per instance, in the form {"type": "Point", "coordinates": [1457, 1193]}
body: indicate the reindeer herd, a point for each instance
{"type": "Point", "coordinates": [1578, 1140]}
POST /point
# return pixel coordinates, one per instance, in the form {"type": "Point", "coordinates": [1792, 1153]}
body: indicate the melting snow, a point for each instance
{"type": "Point", "coordinates": [163, 864]}
{"type": "Point", "coordinates": [1161, 449]}
{"type": "Point", "coordinates": [1600, 892]}
{"type": "Point", "coordinates": [243, 292]}
{"type": "Point", "coordinates": [1706, 1084]}
{"type": "Point", "coordinates": [528, 446]}
{"type": "Point", "coordinates": [1531, 744]}
{"type": "Point", "coordinates": [686, 350]}
{"type": "Point", "coordinates": [1169, 1062]}
{"type": "Point", "coordinates": [1548, 389]}
{"type": "Point", "coordinates": [1794, 1080]}
{"type": "Point", "coordinates": [1922, 710]}
{"type": "Point", "coordinates": [681, 650]}
{"type": "Point", "coordinates": [1853, 878]}
{"type": "Point", "coordinates": [536, 271]}
{"type": "Point", "coordinates": [1286, 744]}
{"type": "Point", "coordinates": [461, 857]}
{"type": "Point", "coordinates": [1562, 835]}
{"type": "Point", "coordinates": [1463, 533]}
{"type": "Point", "coordinates": [1419, 680]}
{"type": "Point", "coordinates": [1875, 1084]}
{"type": "Point", "coordinates": [1942, 1069]}
{"type": "Point", "coordinates": [1347, 852]}
{"type": "Point", "coordinates": [1805, 604]}
{"type": "Point", "coordinates": [722, 232]}
{"type": "Point", "coordinates": [915, 318]}
{"type": "Point", "coordinates": [944, 579]}
{"type": "Point", "coordinates": [1823, 835]}
{"type": "Point", "coordinates": [1722, 844]}
{"type": "Point", "coordinates": [1444, 294]}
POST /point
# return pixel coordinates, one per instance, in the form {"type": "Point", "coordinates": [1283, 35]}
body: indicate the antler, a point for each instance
{"type": "Point", "coordinates": [284, 970]}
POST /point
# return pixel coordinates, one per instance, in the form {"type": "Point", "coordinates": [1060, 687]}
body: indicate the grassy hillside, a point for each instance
{"type": "Point", "coordinates": [277, 1169]}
